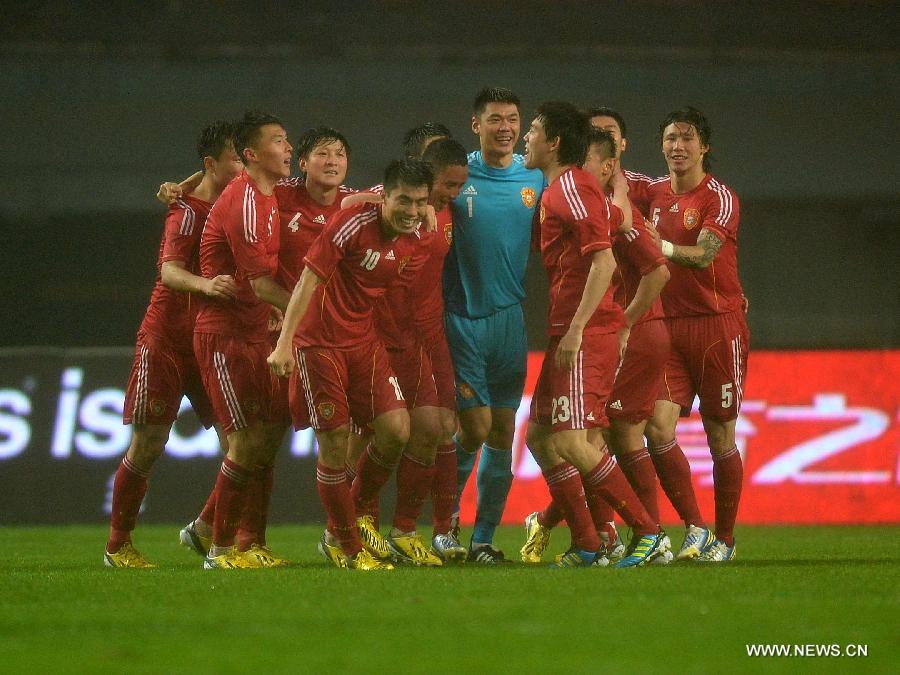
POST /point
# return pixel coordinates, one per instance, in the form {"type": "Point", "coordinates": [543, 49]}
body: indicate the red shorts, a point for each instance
{"type": "Point", "coordinates": [708, 359]}
{"type": "Point", "coordinates": [413, 369]}
{"type": "Point", "coordinates": [297, 396]}
{"type": "Point", "coordinates": [576, 398]}
{"type": "Point", "coordinates": [435, 341]}
{"type": "Point", "coordinates": [340, 384]}
{"type": "Point", "coordinates": [641, 374]}
{"type": "Point", "coordinates": [242, 388]}
{"type": "Point", "coordinates": [160, 376]}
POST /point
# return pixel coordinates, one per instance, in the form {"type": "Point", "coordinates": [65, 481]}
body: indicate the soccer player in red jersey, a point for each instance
{"type": "Point", "coordinates": [637, 281]}
{"type": "Point", "coordinates": [697, 217]}
{"type": "Point", "coordinates": [231, 339]}
{"type": "Point", "coordinates": [343, 365]}
{"type": "Point", "coordinates": [164, 368]}
{"type": "Point", "coordinates": [577, 375]}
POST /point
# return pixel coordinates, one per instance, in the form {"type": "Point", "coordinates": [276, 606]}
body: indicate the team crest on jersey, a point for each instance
{"type": "Point", "coordinates": [466, 391]}
{"type": "Point", "coordinates": [404, 261]}
{"type": "Point", "coordinates": [157, 407]}
{"type": "Point", "coordinates": [691, 218]}
{"type": "Point", "coordinates": [326, 410]}
{"type": "Point", "coordinates": [529, 197]}
{"type": "Point", "coordinates": [448, 233]}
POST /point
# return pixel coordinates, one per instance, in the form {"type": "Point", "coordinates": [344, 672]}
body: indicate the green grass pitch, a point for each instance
{"type": "Point", "coordinates": [62, 611]}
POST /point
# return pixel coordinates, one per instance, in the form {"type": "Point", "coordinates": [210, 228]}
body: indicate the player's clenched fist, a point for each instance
{"type": "Point", "coordinates": [221, 287]}
{"type": "Point", "coordinates": [281, 362]}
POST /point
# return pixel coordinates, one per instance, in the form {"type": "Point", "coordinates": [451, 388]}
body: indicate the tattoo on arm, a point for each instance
{"type": "Point", "coordinates": [709, 245]}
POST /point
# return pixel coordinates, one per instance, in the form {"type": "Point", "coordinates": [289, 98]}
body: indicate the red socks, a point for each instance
{"type": "Point", "coordinates": [728, 474]}
{"type": "Point", "coordinates": [255, 516]}
{"type": "Point", "coordinates": [372, 473]}
{"type": "Point", "coordinates": [675, 477]}
{"type": "Point", "coordinates": [335, 496]}
{"type": "Point", "coordinates": [443, 488]}
{"type": "Point", "coordinates": [568, 494]}
{"type": "Point", "coordinates": [414, 479]}
{"type": "Point", "coordinates": [231, 486]}
{"type": "Point", "coordinates": [129, 488]}
{"type": "Point", "coordinates": [638, 469]}
{"type": "Point", "coordinates": [607, 481]}
{"type": "Point", "coordinates": [552, 515]}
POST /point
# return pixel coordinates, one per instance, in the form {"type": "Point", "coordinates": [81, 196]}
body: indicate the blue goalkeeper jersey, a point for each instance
{"type": "Point", "coordinates": [492, 218]}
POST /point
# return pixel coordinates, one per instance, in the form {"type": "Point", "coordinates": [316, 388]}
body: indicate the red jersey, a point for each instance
{"type": "Point", "coordinates": [576, 219]}
{"type": "Point", "coordinates": [640, 190]}
{"type": "Point", "coordinates": [240, 239]}
{"type": "Point", "coordinates": [171, 313]}
{"type": "Point", "coordinates": [357, 263]}
{"type": "Point", "coordinates": [302, 219]}
{"type": "Point", "coordinates": [426, 292]}
{"type": "Point", "coordinates": [679, 218]}
{"type": "Point", "coordinates": [636, 255]}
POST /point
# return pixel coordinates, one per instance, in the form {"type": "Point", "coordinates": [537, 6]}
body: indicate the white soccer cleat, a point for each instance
{"type": "Point", "coordinates": [696, 540]}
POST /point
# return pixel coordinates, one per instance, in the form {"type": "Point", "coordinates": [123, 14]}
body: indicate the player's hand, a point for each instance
{"type": "Point", "coordinates": [430, 219]}
{"type": "Point", "coordinates": [276, 318]}
{"type": "Point", "coordinates": [567, 349]}
{"type": "Point", "coordinates": [617, 180]}
{"type": "Point", "coordinates": [281, 361]}
{"type": "Point", "coordinates": [169, 192]}
{"type": "Point", "coordinates": [651, 229]}
{"type": "Point", "coordinates": [745, 303]}
{"type": "Point", "coordinates": [222, 287]}
{"type": "Point", "coordinates": [361, 198]}
{"type": "Point", "coordinates": [623, 336]}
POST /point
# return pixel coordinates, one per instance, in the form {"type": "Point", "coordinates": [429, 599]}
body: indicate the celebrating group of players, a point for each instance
{"type": "Point", "coordinates": [390, 321]}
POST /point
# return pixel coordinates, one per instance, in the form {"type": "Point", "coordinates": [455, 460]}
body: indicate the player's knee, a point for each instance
{"type": "Point", "coordinates": [659, 432]}
{"type": "Point", "coordinates": [474, 427]}
{"type": "Point", "coordinates": [392, 434]}
{"type": "Point", "coordinates": [333, 447]}
{"type": "Point", "coordinates": [148, 442]}
{"type": "Point", "coordinates": [503, 429]}
{"type": "Point", "coordinates": [448, 426]}
{"type": "Point", "coordinates": [719, 435]}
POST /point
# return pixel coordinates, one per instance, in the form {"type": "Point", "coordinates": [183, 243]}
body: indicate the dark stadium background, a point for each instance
{"type": "Point", "coordinates": [103, 101]}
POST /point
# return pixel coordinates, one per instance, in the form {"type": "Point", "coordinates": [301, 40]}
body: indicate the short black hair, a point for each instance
{"type": "Point", "coordinates": [312, 138]}
{"type": "Point", "coordinates": [692, 116]}
{"type": "Point", "coordinates": [411, 172]}
{"type": "Point", "coordinates": [609, 112]}
{"type": "Point", "coordinates": [570, 125]}
{"type": "Point", "coordinates": [493, 95]}
{"type": "Point", "coordinates": [604, 139]}
{"type": "Point", "coordinates": [247, 131]}
{"type": "Point", "coordinates": [414, 139]}
{"type": "Point", "coordinates": [445, 152]}
{"type": "Point", "coordinates": [215, 139]}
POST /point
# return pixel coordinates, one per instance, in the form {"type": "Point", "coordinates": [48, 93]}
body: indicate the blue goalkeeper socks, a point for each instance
{"type": "Point", "coordinates": [465, 461]}
{"type": "Point", "coordinates": [494, 480]}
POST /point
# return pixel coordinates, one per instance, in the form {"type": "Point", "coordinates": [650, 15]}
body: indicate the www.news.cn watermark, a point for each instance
{"type": "Point", "coordinates": [830, 650]}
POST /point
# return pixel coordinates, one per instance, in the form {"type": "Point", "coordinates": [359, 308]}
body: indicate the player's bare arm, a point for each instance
{"type": "Point", "coordinates": [603, 264]}
{"type": "Point", "coordinates": [280, 360]}
{"type": "Point", "coordinates": [175, 276]}
{"type": "Point", "coordinates": [647, 291]}
{"type": "Point", "coordinates": [699, 256]}
{"type": "Point", "coordinates": [169, 192]}
{"type": "Point", "coordinates": [270, 291]}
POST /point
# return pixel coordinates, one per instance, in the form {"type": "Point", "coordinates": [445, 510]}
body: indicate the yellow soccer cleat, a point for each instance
{"type": "Point", "coordinates": [232, 559]}
{"type": "Point", "coordinates": [127, 556]}
{"type": "Point", "coordinates": [371, 538]}
{"type": "Point", "coordinates": [537, 537]}
{"type": "Point", "coordinates": [366, 561]}
{"type": "Point", "coordinates": [410, 548]}
{"type": "Point", "coordinates": [262, 556]}
{"type": "Point", "coordinates": [332, 552]}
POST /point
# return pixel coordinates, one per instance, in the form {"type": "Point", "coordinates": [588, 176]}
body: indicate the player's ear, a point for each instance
{"type": "Point", "coordinates": [475, 124]}
{"type": "Point", "coordinates": [623, 145]}
{"type": "Point", "coordinates": [302, 165]}
{"type": "Point", "coordinates": [208, 164]}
